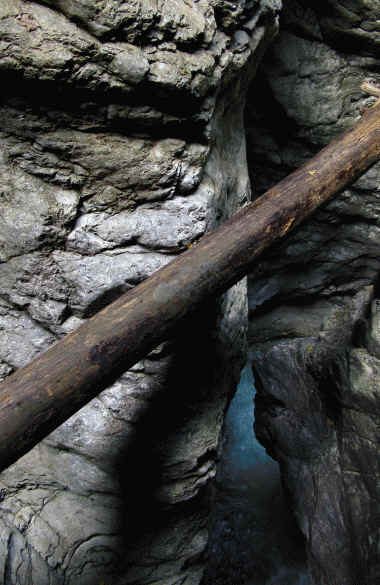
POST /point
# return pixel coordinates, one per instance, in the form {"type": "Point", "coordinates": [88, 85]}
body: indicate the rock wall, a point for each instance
{"type": "Point", "coordinates": [313, 327]}
{"type": "Point", "coordinates": [122, 142]}
{"type": "Point", "coordinates": [122, 137]}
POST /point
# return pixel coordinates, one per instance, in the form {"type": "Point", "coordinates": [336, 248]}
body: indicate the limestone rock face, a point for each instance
{"type": "Point", "coordinates": [122, 142]}
{"type": "Point", "coordinates": [312, 333]}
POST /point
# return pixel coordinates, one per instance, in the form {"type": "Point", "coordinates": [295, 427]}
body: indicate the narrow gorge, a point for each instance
{"type": "Point", "coordinates": [128, 131]}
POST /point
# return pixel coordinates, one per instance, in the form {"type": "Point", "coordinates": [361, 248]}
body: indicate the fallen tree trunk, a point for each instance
{"type": "Point", "coordinates": [40, 396]}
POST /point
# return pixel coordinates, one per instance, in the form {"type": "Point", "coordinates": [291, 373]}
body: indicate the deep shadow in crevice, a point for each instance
{"type": "Point", "coordinates": [267, 112]}
{"type": "Point", "coordinates": [154, 461]}
{"type": "Point", "coordinates": [63, 106]}
{"type": "Point", "coordinates": [254, 538]}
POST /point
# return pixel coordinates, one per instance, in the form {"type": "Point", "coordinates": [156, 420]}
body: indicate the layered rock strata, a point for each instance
{"type": "Point", "coordinates": [122, 142]}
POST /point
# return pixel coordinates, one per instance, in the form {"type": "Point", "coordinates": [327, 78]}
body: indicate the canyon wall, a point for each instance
{"type": "Point", "coordinates": [314, 321]}
{"type": "Point", "coordinates": [122, 142]}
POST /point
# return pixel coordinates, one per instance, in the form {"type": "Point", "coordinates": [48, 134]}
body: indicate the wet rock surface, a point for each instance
{"type": "Point", "coordinates": [312, 330]}
{"type": "Point", "coordinates": [122, 142]}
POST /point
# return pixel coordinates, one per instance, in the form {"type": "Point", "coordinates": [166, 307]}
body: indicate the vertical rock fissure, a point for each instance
{"type": "Point", "coordinates": [122, 143]}
{"type": "Point", "coordinates": [253, 536]}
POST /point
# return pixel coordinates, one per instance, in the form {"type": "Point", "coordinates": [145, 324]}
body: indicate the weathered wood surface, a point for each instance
{"type": "Point", "coordinates": [40, 396]}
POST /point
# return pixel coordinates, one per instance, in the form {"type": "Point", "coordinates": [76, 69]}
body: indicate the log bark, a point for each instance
{"type": "Point", "coordinates": [42, 395]}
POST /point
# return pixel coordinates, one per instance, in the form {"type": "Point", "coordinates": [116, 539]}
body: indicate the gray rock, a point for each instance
{"type": "Point", "coordinates": [21, 338]}
{"type": "Point", "coordinates": [95, 280]}
{"type": "Point", "coordinates": [143, 21]}
{"type": "Point", "coordinates": [373, 334]}
{"type": "Point", "coordinates": [122, 144]}
{"type": "Point", "coordinates": [43, 45]}
{"type": "Point", "coordinates": [171, 226]}
{"type": "Point", "coordinates": [312, 334]}
{"type": "Point", "coordinates": [316, 412]}
{"type": "Point", "coordinates": [32, 214]}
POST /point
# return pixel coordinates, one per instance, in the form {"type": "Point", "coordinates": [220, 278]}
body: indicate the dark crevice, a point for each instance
{"type": "Point", "coordinates": [80, 105]}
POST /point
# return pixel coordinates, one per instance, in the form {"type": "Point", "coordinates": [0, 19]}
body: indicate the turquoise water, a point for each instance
{"type": "Point", "coordinates": [241, 449]}
{"type": "Point", "coordinates": [254, 539]}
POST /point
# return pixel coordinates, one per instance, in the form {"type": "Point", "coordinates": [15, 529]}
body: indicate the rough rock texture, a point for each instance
{"type": "Point", "coordinates": [122, 142]}
{"type": "Point", "coordinates": [312, 334]}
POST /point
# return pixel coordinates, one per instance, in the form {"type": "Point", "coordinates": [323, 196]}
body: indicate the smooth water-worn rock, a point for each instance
{"type": "Point", "coordinates": [312, 330]}
{"type": "Point", "coordinates": [122, 142]}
